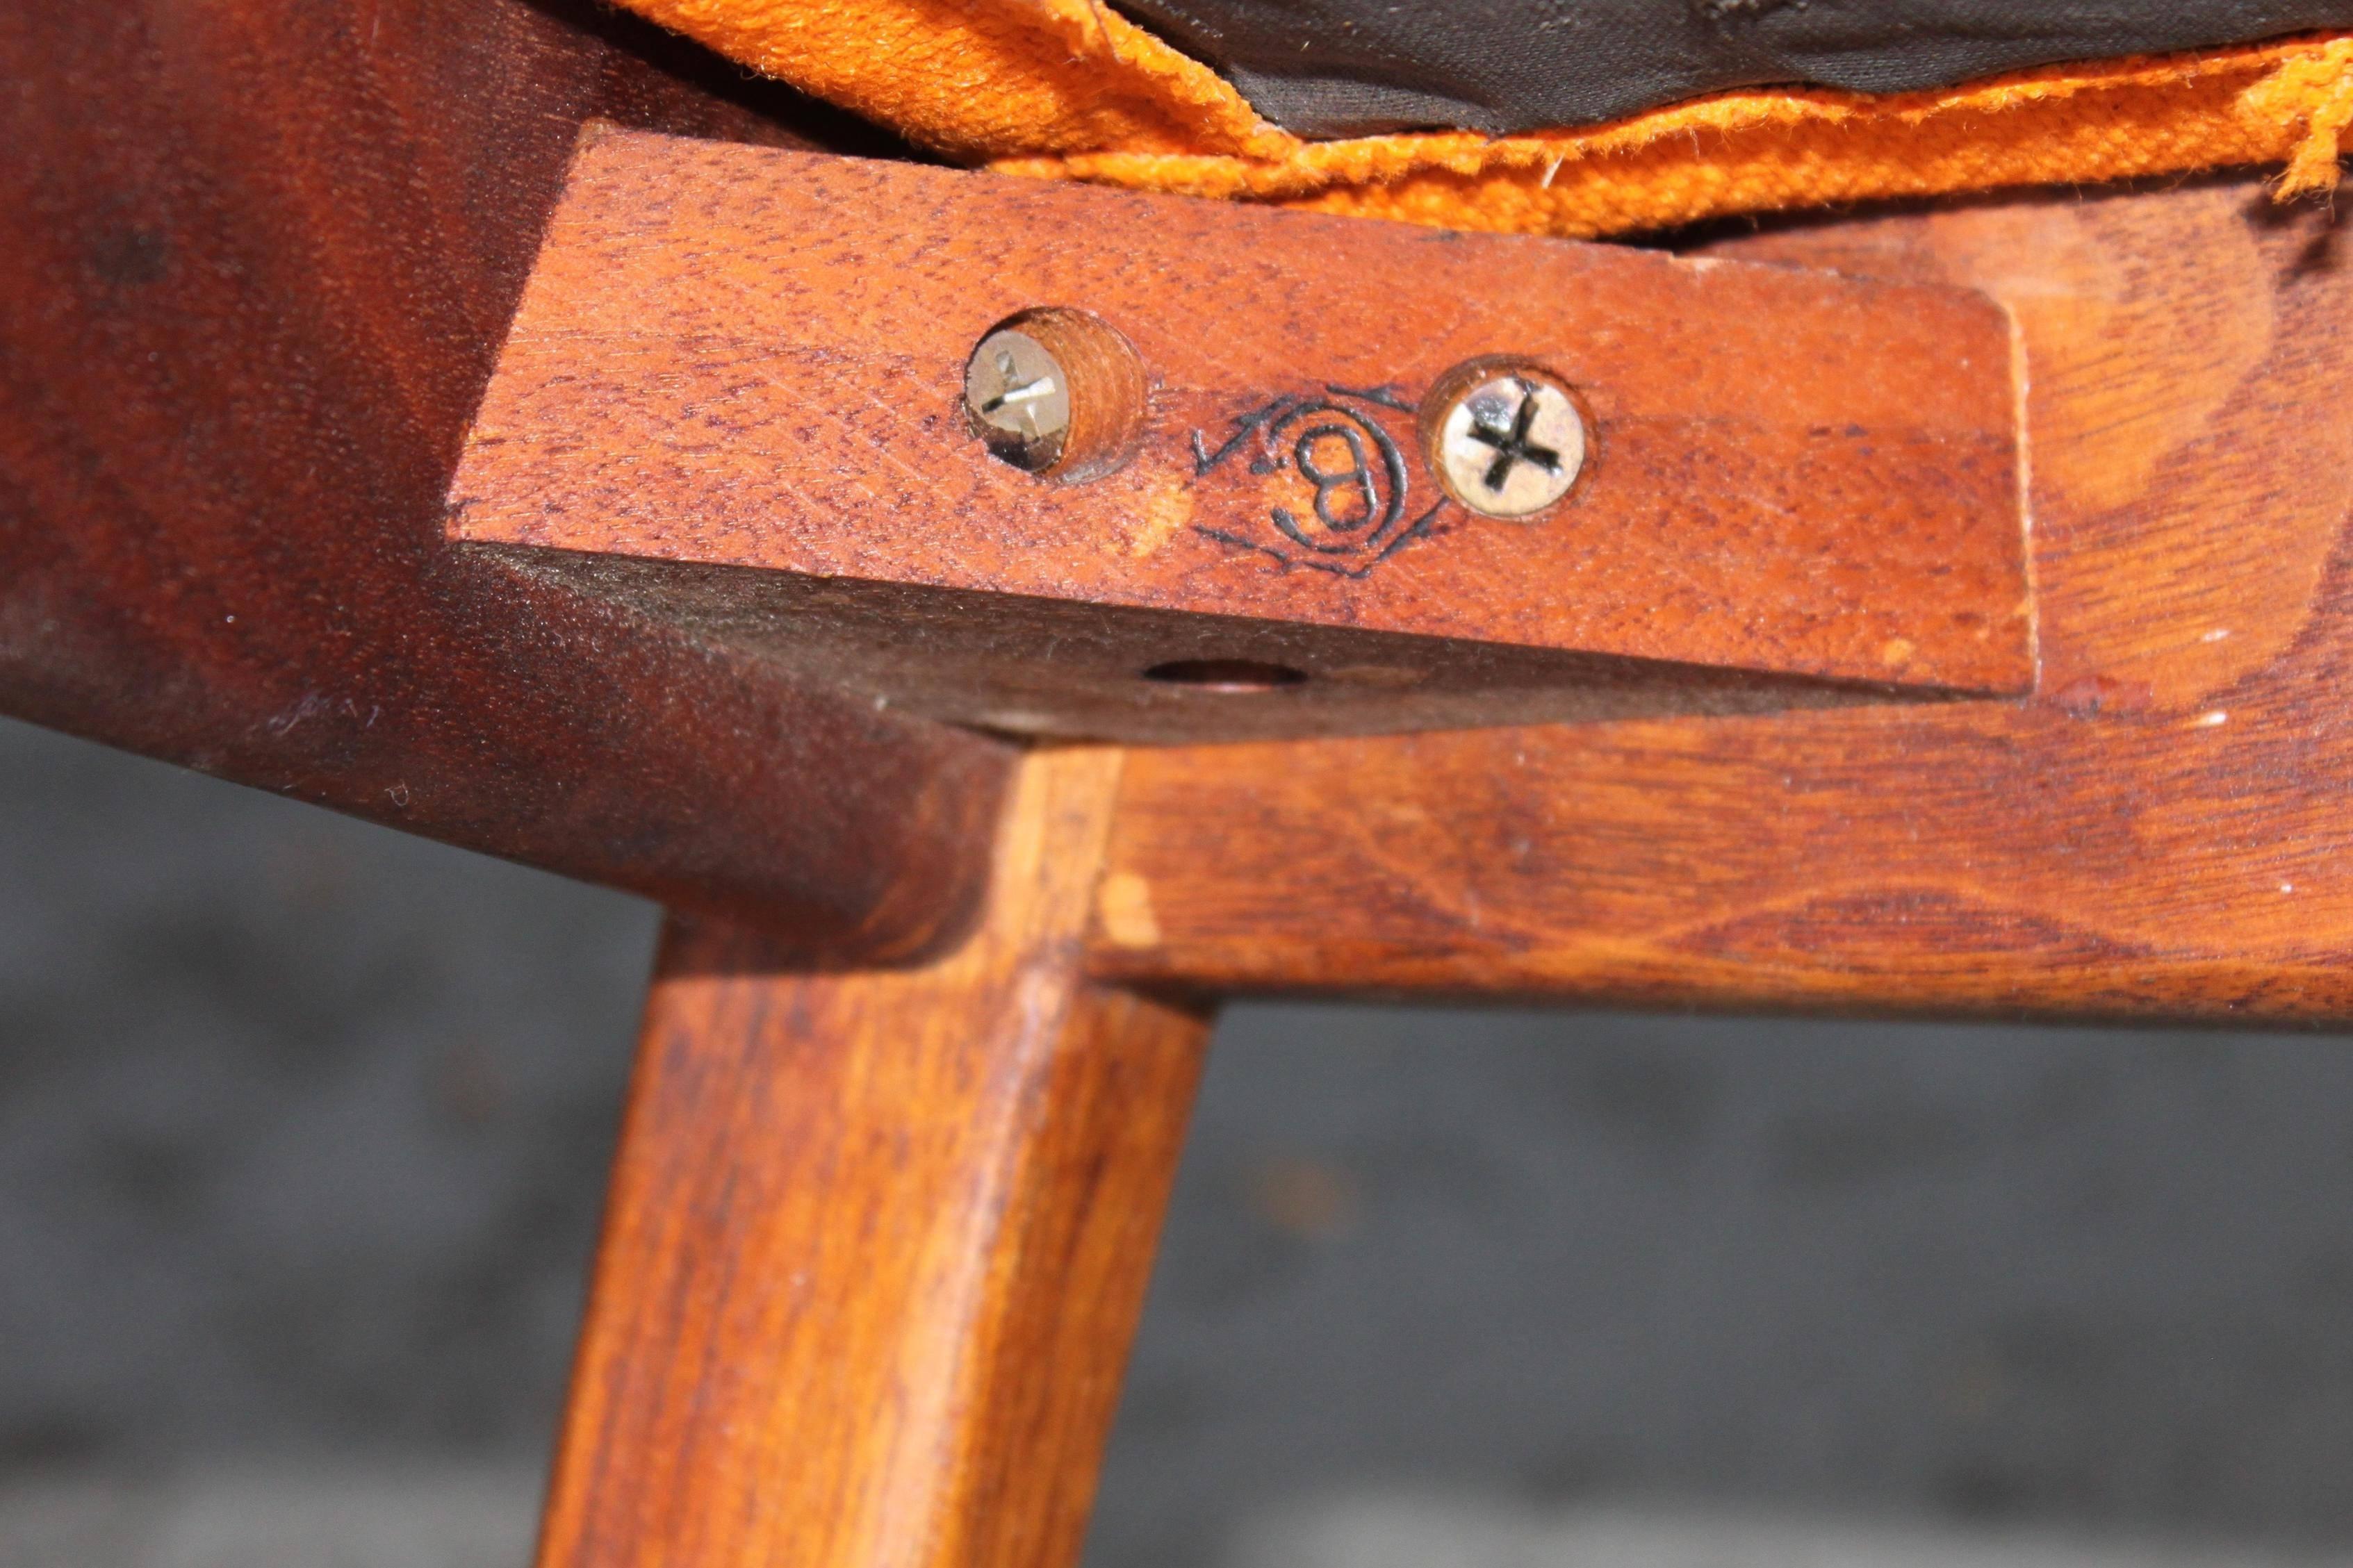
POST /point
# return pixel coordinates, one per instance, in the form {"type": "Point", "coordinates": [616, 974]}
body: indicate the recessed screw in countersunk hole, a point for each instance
{"type": "Point", "coordinates": [1057, 392]}
{"type": "Point", "coordinates": [1018, 395]}
{"type": "Point", "coordinates": [1507, 440]}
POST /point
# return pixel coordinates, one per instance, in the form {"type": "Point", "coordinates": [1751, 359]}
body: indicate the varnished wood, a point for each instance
{"type": "Point", "coordinates": [1791, 475]}
{"type": "Point", "coordinates": [877, 1240]}
{"type": "Point", "coordinates": [2161, 830]}
{"type": "Point", "coordinates": [879, 1235]}
{"type": "Point", "coordinates": [255, 263]}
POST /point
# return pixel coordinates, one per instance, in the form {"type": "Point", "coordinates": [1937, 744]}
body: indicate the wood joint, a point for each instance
{"type": "Point", "coordinates": [745, 392]}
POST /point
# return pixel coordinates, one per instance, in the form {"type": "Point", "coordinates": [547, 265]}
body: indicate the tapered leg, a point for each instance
{"type": "Point", "coordinates": [878, 1239]}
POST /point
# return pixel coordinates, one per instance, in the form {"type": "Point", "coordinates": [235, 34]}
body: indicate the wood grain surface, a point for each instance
{"type": "Point", "coordinates": [1794, 474]}
{"type": "Point", "coordinates": [255, 264]}
{"type": "Point", "coordinates": [1047, 668]}
{"type": "Point", "coordinates": [878, 1240]}
{"type": "Point", "coordinates": [2161, 831]}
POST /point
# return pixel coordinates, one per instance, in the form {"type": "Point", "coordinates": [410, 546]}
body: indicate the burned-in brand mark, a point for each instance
{"type": "Point", "coordinates": [1332, 479]}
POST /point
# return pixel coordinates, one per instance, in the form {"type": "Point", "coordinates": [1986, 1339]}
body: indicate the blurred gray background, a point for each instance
{"type": "Point", "coordinates": [302, 1129]}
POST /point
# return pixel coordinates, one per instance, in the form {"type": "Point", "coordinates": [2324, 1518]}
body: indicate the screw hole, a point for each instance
{"type": "Point", "coordinates": [1225, 675]}
{"type": "Point", "coordinates": [1057, 393]}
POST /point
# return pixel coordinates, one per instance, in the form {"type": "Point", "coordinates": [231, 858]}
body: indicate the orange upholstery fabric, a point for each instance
{"type": "Point", "coordinates": [1068, 89]}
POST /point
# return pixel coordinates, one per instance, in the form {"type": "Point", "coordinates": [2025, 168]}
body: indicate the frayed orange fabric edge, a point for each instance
{"type": "Point", "coordinates": [983, 78]}
{"type": "Point", "coordinates": [1070, 90]}
{"type": "Point", "coordinates": [1760, 152]}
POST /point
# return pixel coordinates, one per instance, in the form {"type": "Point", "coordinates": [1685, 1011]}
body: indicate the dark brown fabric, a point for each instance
{"type": "Point", "coordinates": [1344, 67]}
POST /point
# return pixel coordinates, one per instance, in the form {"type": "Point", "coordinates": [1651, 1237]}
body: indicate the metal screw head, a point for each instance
{"type": "Point", "coordinates": [1506, 441]}
{"type": "Point", "coordinates": [1019, 396]}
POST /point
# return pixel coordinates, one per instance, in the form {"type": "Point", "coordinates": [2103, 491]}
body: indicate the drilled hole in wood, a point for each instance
{"type": "Point", "coordinates": [1057, 393]}
{"type": "Point", "coordinates": [1230, 675]}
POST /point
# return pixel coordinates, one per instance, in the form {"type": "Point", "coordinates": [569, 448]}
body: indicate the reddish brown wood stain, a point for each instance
{"type": "Point", "coordinates": [2161, 831]}
{"type": "Point", "coordinates": [878, 1236]}
{"type": "Point", "coordinates": [878, 1241]}
{"type": "Point", "coordinates": [715, 362]}
{"type": "Point", "coordinates": [255, 264]}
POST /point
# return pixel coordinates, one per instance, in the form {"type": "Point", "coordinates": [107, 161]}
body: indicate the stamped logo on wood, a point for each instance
{"type": "Point", "coordinates": [1320, 481]}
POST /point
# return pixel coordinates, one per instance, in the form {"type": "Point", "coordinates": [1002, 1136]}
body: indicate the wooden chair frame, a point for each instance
{"type": "Point", "coordinates": [917, 1061]}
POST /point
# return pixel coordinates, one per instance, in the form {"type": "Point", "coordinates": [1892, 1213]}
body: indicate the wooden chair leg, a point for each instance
{"type": "Point", "coordinates": [878, 1239]}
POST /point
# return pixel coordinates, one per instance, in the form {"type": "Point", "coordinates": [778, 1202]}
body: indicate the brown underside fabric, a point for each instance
{"type": "Point", "coordinates": [1069, 88]}
{"type": "Point", "coordinates": [1354, 68]}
